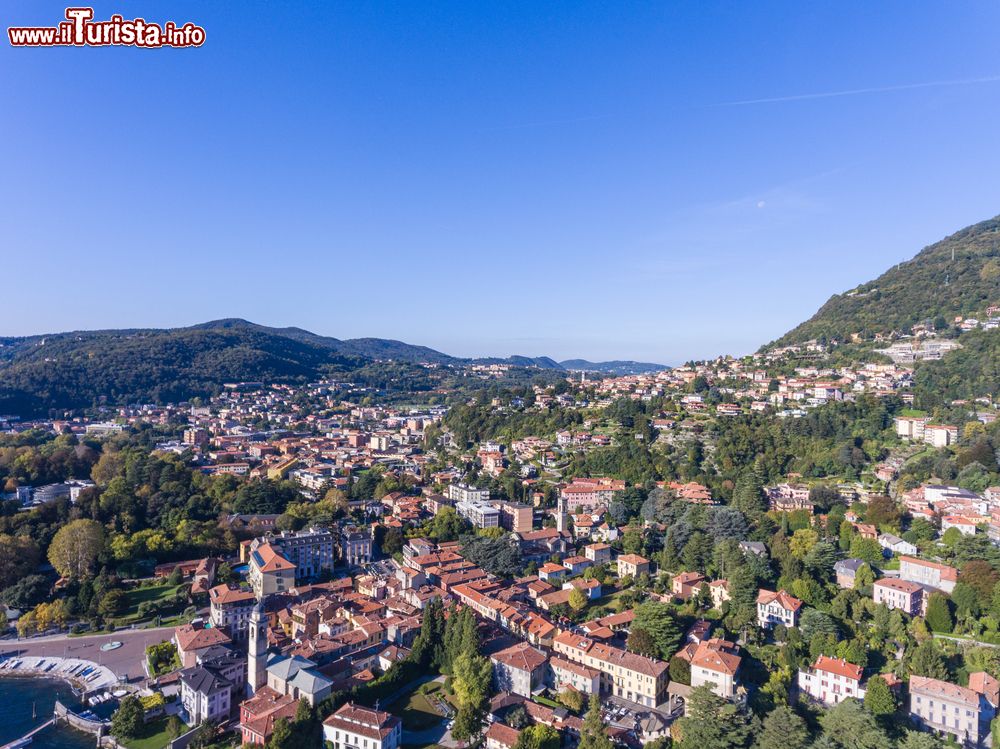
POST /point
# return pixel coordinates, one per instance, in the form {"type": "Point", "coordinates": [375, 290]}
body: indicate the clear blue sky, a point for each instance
{"type": "Point", "coordinates": [568, 179]}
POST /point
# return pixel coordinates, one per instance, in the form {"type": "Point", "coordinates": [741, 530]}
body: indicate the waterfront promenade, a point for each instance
{"type": "Point", "coordinates": [125, 661]}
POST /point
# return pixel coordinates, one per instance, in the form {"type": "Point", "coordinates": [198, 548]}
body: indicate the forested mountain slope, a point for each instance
{"type": "Point", "coordinates": [957, 276]}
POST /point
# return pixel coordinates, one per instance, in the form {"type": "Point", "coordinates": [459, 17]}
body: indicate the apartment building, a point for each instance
{"type": "Point", "coordinates": [566, 674]}
{"type": "Point", "coordinates": [687, 584]}
{"type": "Point", "coordinates": [777, 608]}
{"type": "Point", "coordinates": [936, 575]}
{"type": "Point", "coordinates": [229, 609]}
{"type": "Point", "coordinates": [480, 513]}
{"type": "Point", "coordinates": [625, 675]}
{"type": "Point", "coordinates": [831, 680]}
{"type": "Point", "coordinates": [520, 669]}
{"type": "Point", "coordinates": [632, 565]}
{"type": "Point", "coordinates": [948, 708]}
{"type": "Point", "coordinates": [357, 727]}
{"type": "Point", "coordinates": [309, 551]}
{"type": "Point", "coordinates": [210, 689]}
{"type": "Point", "coordinates": [516, 517]}
{"type": "Point", "coordinates": [270, 572]}
{"type": "Point", "coordinates": [904, 595]}
{"type": "Point", "coordinates": [466, 493]}
{"type": "Point", "coordinates": [598, 553]}
{"type": "Point", "coordinates": [355, 546]}
{"type": "Point", "coordinates": [716, 662]}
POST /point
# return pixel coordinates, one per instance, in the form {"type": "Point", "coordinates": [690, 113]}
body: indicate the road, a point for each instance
{"type": "Point", "coordinates": [126, 660]}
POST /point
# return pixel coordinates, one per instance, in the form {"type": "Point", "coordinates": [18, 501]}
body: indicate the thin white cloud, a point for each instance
{"type": "Point", "coordinates": [859, 91]}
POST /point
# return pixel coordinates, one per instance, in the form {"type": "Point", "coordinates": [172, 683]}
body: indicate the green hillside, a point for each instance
{"type": "Point", "coordinates": [957, 276]}
{"type": "Point", "coordinates": [73, 370]}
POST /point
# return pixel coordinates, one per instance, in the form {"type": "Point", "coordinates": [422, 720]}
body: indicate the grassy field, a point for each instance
{"type": "Point", "coordinates": [154, 736]}
{"type": "Point", "coordinates": [156, 593]}
{"type": "Point", "coordinates": [416, 710]}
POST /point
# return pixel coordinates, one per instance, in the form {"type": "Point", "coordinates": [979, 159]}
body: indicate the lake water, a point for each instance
{"type": "Point", "coordinates": [16, 698]}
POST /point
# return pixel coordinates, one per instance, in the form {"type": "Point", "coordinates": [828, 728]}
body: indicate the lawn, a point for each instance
{"type": "Point", "coordinates": [416, 710]}
{"type": "Point", "coordinates": [154, 736]}
{"type": "Point", "coordinates": [155, 593]}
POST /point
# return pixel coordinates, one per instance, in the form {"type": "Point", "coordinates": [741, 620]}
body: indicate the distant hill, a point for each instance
{"type": "Point", "coordinates": [617, 368]}
{"type": "Point", "coordinates": [541, 362]}
{"type": "Point", "coordinates": [957, 276]}
{"type": "Point", "coordinates": [371, 348]}
{"type": "Point", "coordinates": [65, 371]}
{"type": "Point", "coordinates": [74, 370]}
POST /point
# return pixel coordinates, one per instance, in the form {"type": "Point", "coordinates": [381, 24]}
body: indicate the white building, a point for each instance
{"type": "Point", "coordinates": [357, 727]}
{"type": "Point", "coordinates": [466, 493]}
{"type": "Point", "coordinates": [716, 662]}
{"type": "Point", "coordinates": [831, 680]}
{"type": "Point", "coordinates": [777, 608]}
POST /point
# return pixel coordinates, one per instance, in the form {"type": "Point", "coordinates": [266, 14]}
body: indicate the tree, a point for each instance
{"type": "Point", "coordinates": [727, 523]}
{"type": "Point", "coordinates": [980, 576]}
{"type": "Point", "coordinates": [162, 658]}
{"type": "Point", "coordinates": [578, 600]}
{"type": "Point", "coordinates": [966, 600]}
{"type": "Point", "coordinates": [642, 643]}
{"type": "Point", "coordinates": [518, 717]}
{"type": "Point", "coordinates": [802, 542]}
{"type": "Point", "coordinates": [112, 603]}
{"type": "Point", "coordinates": [128, 718]}
{"type": "Point", "coordinates": [783, 729]}
{"type": "Point", "coordinates": [538, 736]}
{"type": "Point", "coordinates": [920, 740]}
{"type": "Point", "coordinates": [176, 576]}
{"type": "Point", "coordinates": [927, 660]}
{"type": "Point", "coordinates": [282, 735]}
{"type": "Point", "coordinates": [814, 623]}
{"type": "Point", "coordinates": [392, 541]}
{"type": "Point", "coordinates": [850, 727]}
{"type": "Point", "coordinates": [75, 548]}
{"type": "Point", "coordinates": [882, 511]}
{"type": "Point", "coordinates": [939, 614]}
{"type": "Point", "coordinates": [446, 525]}
{"type": "Point", "coordinates": [472, 678]}
{"type": "Point", "coordinates": [820, 559]}
{"type": "Point", "coordinates": [26, 592]}
{"type": "Point", "coordinates": [713, 722]}
{"type": "Point", "coordinates": [174, 727]}
{"type": "Point", "coordinates": [468, 722]}
{"type": "Point", "coordinates": [573, 699]}
{"type": "Point", "coordinates": [499, 556]}
{"type": "Point", "coordinates": [748, 494]}
{"type": "Point", "coordinates": [864, 577]}
{"type": "Point", "coordinates": [680, 670]}
{"type": "Point", "coordinates": [658, 620]}
{"type": "Point", "coordinates": [866, 549]}
{"type": "Point", "coordinates": [594, 734]}
{"type": "Point", "coordinates": [879, 700]}
{"type": "Point", "coordinates": [18, 556]}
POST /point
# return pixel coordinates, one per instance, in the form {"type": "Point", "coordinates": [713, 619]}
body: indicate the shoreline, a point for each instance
{"type": "Point", "coordinates": [81, 674]}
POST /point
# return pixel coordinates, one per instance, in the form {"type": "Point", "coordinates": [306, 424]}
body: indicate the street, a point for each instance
{"type": "Point", "coordinates": [126, 660]}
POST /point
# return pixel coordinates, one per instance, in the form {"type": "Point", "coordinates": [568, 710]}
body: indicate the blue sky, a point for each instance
{"type": "Point", "coordinates": [656, 181]}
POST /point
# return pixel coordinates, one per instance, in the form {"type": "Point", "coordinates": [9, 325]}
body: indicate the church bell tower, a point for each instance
{"type": "Point", "coordinates": [257, 649]}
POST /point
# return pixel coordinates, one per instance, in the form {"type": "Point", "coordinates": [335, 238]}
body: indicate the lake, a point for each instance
{"type": "Point", "coordinates": [16, 698]}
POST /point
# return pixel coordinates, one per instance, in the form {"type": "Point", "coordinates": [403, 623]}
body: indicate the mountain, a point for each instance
{"type": "Point", "coordinates": [616, 368]}
{"type": "Point", "coordinates": [75, 370]}
{"type": "Point", "coordinates": [959, 275]}
{"type": "Point", "coordinates": [79, 369]}
{"type": "Point", "coordinates": [540, 362]}
{"type": "Point", "coordinates": [371, 348]}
